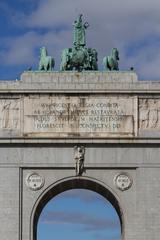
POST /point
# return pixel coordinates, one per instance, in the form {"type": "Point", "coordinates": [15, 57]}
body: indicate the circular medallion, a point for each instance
{"type": "Point", "coordinates": [123, 181]}
{"type": "Point", "coordinates": [34, 181]}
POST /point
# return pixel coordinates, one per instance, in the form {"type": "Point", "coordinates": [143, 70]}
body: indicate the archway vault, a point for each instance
{"type": "Point", "coordinates": [74, 183]}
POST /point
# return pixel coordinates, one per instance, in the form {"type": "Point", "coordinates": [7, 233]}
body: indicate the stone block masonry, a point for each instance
{"type": "Point", "coordinates": [113, 115]}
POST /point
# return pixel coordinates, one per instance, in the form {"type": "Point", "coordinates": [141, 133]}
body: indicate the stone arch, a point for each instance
{"type": "Point", "coordinates": [73, 183]}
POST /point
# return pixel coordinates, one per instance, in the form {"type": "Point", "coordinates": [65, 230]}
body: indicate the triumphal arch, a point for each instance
{"type": "Point", "coordinates": [91, 130]}
{"type": "Point", "coordinates": [80, 128]}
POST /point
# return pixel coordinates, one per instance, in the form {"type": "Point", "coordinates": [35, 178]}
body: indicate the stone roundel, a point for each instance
{"type": "Point", "coordinates": [123, 181]}
{"type": "Point", "coordinates": [34, 181]}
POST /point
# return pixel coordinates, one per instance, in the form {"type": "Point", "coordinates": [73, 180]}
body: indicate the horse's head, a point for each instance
{"type": "Point", "coordinates": [115, 53]}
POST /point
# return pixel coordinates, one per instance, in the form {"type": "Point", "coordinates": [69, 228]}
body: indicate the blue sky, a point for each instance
{"type": "Point", "coordinates": [78, 214]}
{"type": "Point", "coordinates": [131, 26]}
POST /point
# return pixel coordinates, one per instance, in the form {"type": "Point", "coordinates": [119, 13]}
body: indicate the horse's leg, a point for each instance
{"type": "Point", "coordinates": [49, 64]}
{"type": "Point", "coordinates": [40, 66]}
{"type": "Point", "coordinates": [52, 63]}
{"type": "Point", "coordinates": [46, 67]}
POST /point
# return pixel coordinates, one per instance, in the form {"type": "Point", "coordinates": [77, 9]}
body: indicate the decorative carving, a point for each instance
{"type": "Point", "coordinates": [10, 114]}
{"type": "Point", "coordinates": [149, 113]}
{"type": "Point", "coordinates": [79, 152]}
{"type": "Point", "coordinates": [46, 62]}
{"type": "Point", "coordinates": [123, 181]}
{"type": "Point", "coordinates": [34, 181]}
{"type": "Point", "coordinates": [111, 62]}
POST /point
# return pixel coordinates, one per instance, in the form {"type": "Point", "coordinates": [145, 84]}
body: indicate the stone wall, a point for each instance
{"type": "Point", "coordinates": [112, 114]}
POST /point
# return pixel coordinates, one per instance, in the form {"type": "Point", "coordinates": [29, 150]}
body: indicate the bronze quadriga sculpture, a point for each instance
{"type": "Point", "coordinates": [79, 57]}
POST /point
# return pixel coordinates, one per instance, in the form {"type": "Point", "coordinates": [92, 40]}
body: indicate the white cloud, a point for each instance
{"type": "Point", "coordinates": [147, 61]}
{"type": "Point", "coordinates": [24, 49]}
{"type": "Point", "coordinates": [89, 222]}
{"type": "Point", "coordinates": [19, 50]}
{"type": "Point", "coordinates": [85, 196]}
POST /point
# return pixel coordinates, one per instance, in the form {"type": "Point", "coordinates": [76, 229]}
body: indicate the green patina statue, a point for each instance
{"type": "Point", "coordinates": [46, 63]}
{"type": "Point", "coordinates": [111, 62]}
{"type": "Point", "coordinates": [79, 32]}
{"type": "Point", "coordinates": [79, 57]}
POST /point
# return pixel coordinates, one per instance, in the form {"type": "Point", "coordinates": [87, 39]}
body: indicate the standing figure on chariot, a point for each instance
{"type": "Point", "coordinates": [79, 38]}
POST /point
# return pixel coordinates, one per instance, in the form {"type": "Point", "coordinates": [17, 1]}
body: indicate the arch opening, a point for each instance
{"type": "Point", "coordinates": [77, 184]}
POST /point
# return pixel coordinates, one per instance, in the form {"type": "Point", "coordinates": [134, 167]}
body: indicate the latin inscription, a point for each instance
{"type": "Point", "coordinates": [90, 116]}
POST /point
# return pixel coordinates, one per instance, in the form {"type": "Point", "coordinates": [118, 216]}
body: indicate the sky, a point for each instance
{"type": "Point", "coordinates": [131, 26]}
{"type": "Point", "coordinates": [78, 214]}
